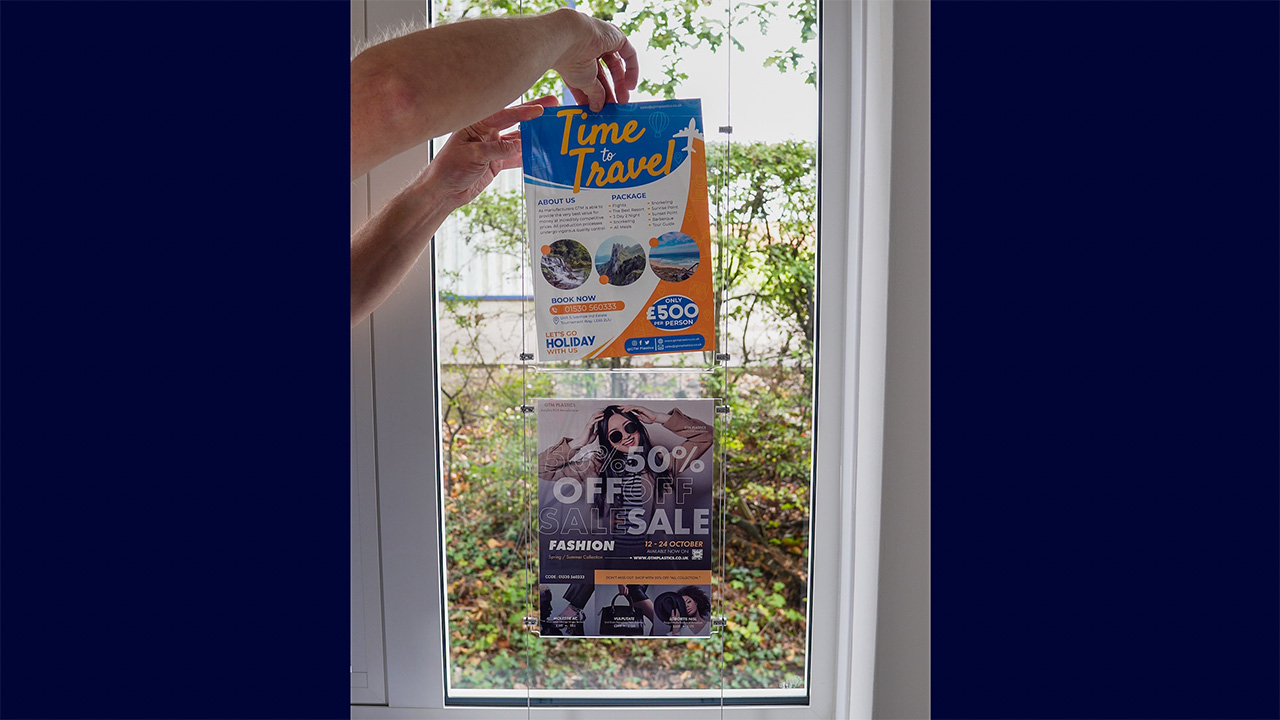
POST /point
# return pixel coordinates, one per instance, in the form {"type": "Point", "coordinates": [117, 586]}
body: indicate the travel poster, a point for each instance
{"type": "Point", "coordinates": [618, 230]}
{"type": "Point", "coordinates": [624, 517]}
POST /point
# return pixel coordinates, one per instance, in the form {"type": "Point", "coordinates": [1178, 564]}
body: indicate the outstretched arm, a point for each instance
{"type": "Point", "coordinates": [431, 82]}
{"type": "Point", "coordinates": [385, 247]}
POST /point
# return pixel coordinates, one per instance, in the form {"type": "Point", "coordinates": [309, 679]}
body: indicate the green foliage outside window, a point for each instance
{"type": "Point", "coordinates": [671, 27]}
{"type": "Point", "coordinates": [763, 205]}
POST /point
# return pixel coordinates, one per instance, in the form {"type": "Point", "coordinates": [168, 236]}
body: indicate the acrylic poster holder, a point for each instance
{"type": "Point", "coordinates": [649, 671]}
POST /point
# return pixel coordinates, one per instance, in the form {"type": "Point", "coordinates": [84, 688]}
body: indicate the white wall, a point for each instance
{"type": "Point", "coordinates": [902, 628]}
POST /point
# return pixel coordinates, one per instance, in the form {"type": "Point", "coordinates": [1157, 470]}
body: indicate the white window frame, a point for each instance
{"type": "Point", "coordinates": [854, 167]}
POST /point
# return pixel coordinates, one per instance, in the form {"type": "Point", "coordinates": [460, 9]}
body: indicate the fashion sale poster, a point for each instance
{"type": "Point", "coordinates": [624, 517]}
{"type": "Point", "coordinates": [617, 205]}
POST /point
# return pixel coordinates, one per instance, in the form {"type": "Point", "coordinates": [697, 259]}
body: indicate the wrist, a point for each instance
{"type": "Point", "coordinates": [564, 22]}
{"type": "Point", "coordinates": [569, 28]}
{"type": "Point", "coordinates": [429, 205]}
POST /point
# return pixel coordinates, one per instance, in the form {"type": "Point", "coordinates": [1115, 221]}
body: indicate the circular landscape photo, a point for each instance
{"type": "Point", "coordinates": [620, 261]}
{"type": "Point", "coordinates": [565, 264]}
{"type": "Point", "coordinates": [675, 257]}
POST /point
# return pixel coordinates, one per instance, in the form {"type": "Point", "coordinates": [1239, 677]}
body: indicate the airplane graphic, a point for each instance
{"type": "Point", "coordinates": [690, 133]}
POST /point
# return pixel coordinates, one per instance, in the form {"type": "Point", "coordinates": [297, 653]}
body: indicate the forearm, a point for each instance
{"type": "Point", "coordinates": [431, 82]}
{"type": "Point", "coordinates": [385, 247]}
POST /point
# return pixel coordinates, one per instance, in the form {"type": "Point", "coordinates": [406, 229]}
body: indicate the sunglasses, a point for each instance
{"type": "Point", "coordinates": [616, 436]}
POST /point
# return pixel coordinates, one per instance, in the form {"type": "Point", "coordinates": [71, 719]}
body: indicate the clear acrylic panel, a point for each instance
{"type": "Point", "coordinates": [663, 661]}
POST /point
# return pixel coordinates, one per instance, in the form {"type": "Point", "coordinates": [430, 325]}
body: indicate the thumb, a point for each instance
{"type": "Point", "coordinates": [594, 93]}
{"type": "Point", "coordinates": [595, 89]}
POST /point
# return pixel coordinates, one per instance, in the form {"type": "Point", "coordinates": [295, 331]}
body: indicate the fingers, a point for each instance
{"type": "Point", "coordinates": [632, 76]}
{"type": "Point", "coordinates": [507, 117]}
{"type": "Point", "coordinates": [617, 73]}
{"type": "Point", "coordinates": [508, 164]}
{"type": "Point", "coordinates": [496, 150]}
{"type": "Point", "coordinates": [602, 77]}
{"type": "Point", "coordinates": [546, 101]}
{"type": "Point", "coordinates": [642, 412]}
{"type": "Point", "coordinates": [594, 92]}
{"type": "Point", "coordinates": [600, 65]}
{"type": "Point", "coordinates": [620, 56]}
{"type": "Point", "coordinates": [623, 63]}
{"type": "Point", "coordinates": [579, 97]}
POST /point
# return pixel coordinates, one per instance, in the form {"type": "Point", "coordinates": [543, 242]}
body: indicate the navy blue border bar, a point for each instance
{"type": "Point", "coordinates": [175, 371]}
{"type": "Point", "coordinates": [1105, 255]}
{"type": "Point", "coordinates": [1105, 377]}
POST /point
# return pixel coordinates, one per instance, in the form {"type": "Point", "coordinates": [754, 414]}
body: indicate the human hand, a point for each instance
{"type": "Point", "coordinates": [645, 414]}
{"type": "Point", "coordinates": [579, 66]}
{"type": "Point", "coordinates": [473, 156]}
{"type": "Point", "coordinates": [589, 432]}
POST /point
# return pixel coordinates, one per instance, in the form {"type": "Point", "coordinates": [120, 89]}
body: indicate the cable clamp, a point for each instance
{"type": "Point", "coordinates": [722, 357]}
{"type": "Point", "coordinates": [530, 623]}
{"type": "Point", "coordinates": [525, 357]}
{"type": "Point", "coordinates": [719, 622]}
{"type": "Point", "coordinates": [726, 129]}
{"type": "Point", "coordinates": [722, 409]}
{"type": "Point", "coordinates": [526, 408]}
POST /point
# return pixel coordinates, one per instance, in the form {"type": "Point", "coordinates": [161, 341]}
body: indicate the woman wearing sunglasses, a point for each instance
{"type": "Point", "coordinates": [622, 460]}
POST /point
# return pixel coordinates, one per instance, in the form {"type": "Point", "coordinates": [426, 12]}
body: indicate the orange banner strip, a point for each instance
{"type": "Point", "coordinates": [653, 577]}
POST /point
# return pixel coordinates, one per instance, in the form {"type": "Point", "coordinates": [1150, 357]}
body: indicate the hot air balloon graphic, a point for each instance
{"type": "Point", "coordinates": [659, 121]}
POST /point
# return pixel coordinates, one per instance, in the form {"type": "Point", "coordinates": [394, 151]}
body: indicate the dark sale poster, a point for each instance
{"type": "Point", "coordinates": [624, 517]}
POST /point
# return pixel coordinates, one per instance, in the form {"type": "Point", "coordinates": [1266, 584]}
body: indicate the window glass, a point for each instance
{"type": "Point", "coordinates": [754, 67]}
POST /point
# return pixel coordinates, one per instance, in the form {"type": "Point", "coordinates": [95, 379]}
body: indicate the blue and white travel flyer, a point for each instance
{"type": "Point", "coordinates": [617, 212]}
{"type": "Point", "coordinates": [624, 517]}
